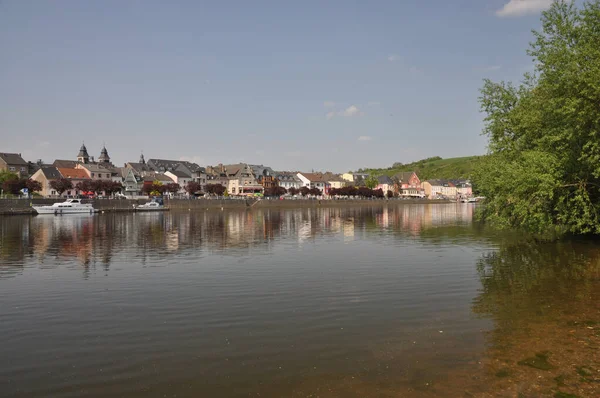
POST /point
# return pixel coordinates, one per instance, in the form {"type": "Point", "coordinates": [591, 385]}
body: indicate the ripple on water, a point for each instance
{"type": "Point", "coordinates": [409, 300]}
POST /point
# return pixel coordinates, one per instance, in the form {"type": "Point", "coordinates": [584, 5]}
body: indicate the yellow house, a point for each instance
{"type": "Point", "coordinates": [44, 176]}
{"type": "Point", "coordinates": [439, 188]}
{"type": "Point", "coordinates": [348, 177]}
{"type": "Point", "coordinates": [335, 181]}
{"type": "Point", "coordinates": [355, 177]}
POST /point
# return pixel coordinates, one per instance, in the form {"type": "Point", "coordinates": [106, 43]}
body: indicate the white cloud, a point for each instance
{"type": "Point", "coordinates": [518, 8]}
{"type": "Point", "coordinates": [365, 138]}
{"type": "Point", "coordinates": [350, 111]}
{"type": "Point", "coordinates": [393, 57]}
{"type": "Point", "coordinates": [328, 104]}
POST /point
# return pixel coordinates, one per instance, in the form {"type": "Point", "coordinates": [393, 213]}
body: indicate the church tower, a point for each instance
{"type": "Point", "coordinates": [104, 158]}
{"type": "Point", "coordinates": [83, 156]}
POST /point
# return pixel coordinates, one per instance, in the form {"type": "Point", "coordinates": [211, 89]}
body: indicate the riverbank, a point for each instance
{"type": "Point", "coordinates": [24, 206]}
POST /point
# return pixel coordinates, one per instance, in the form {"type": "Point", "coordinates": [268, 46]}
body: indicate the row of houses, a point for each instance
{"type": "Point", "coordinates": [408, 184]}
{"type": "Point", "coordinates": [238, 179]}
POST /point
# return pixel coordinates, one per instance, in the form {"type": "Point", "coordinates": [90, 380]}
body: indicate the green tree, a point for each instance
{"type": "Point", "coordinates": [371, 182]}
{"type": "Point", "coordinates": [543, 172]}
{"type": "Point", "coordinates": [6, 176]}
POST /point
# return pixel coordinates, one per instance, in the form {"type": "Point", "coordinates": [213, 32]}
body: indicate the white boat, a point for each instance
{"type": "Point", "coordinates": [150, 206]}
{"type": "Point", "coordinates": [469, 200]}
{"type": "Point", "coordinates": [70, 206]}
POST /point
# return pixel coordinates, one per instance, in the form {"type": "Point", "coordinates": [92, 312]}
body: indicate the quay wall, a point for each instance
{"type": "Point", "coordinates": [23, 206]}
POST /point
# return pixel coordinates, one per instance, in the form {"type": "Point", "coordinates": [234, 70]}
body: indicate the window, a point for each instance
{"type": "Point", "coordinates": [23, 169]}
{"type": "Point", "coordinates": [92, 175]}
{"type": "Point", "coordinates": [11, 168]}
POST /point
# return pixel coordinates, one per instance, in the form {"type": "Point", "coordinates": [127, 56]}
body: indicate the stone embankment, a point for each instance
{"type": "Point", "coordinates": [23, 206]}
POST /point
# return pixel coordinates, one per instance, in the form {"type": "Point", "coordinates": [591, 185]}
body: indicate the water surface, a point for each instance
{"type": "Point", "coordinates": [413, 300]}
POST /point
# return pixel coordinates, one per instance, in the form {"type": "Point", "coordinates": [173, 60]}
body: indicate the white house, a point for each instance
{"type": "Point", "coordinates": [181, 178]}
{"type": "Point", "coordinates": [314, 180]}
{"type": "Point", "coordinates": [289, 180]}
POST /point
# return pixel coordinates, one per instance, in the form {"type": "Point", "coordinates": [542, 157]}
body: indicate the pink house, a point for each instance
{"type": "Point", "coordinates": [463, 189]}
{"type": "Point", "coordinates": [409, 184]}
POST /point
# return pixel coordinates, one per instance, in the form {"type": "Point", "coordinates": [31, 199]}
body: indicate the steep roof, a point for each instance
{"type": "Point", "coordinates": [51, 173]}
{"type": "Point", "coordinates": [259, 170]}
{"type": "Point", "coordinates": [180, 174]}
{"type": "Point", "coordinates": [170, 165]}
{"type": "Point", "coordinates": [233, 169]}
{"type": "Point", "coordinates": [385, 180]}
{"type": "Point", "coordinates": [104, 155]}
{"type": "Point", "coordinates": [93, 167]}
{"type": "Point", "coordinates": [461, 183]}
{"type": "Point", "coordinates": [73, 173]}
{"type": "Point", "coordinates": [193, 167]}
{"type": "Point", "coordinates": [440, 183]}
{"type": "Point", "coordinates": [70, 164]}
{"type": "Point", "coordinates": [404, 176]}
{"type": "Point", "coordinates": [13, 158]}
{"type": "Point", "coordinates": [137, 167]}
{"type": "Point", "coordinates": [314, 177]}
{"type": "Point", "coordinates": [83, 153]}
{"type": "Point", "coordinates": [287, 176]}
{"type": "Point", "coordinates": [158, 177]}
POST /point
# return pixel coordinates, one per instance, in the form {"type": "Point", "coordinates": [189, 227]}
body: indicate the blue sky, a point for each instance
{"type": "Point", "coordinates": [323, 85]}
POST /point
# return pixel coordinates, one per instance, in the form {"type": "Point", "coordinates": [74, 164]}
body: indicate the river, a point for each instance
{"type": "Point", "coordinates": [400, 300]}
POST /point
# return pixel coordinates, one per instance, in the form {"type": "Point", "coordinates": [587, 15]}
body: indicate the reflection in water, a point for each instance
{"type": "Point", "coordinates": [544, 299]}
{"type": "Point", "coordinates": [91, 240]}
{"type": "Point", "coordinates": [411, 300]}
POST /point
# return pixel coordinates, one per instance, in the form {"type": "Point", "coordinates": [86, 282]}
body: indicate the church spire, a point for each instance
{"type": "Point", "coordinates": [104, 158]}
{"type": "Point", "coordinates": [83, 156]}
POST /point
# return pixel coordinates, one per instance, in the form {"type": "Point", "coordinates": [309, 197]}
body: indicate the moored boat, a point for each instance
{"type": "Point", "coordinates": [154, 205]}
{"type": "Point", "coordinates": [70, 206]}
{"type": "Point", "coordinates": [470, 200]}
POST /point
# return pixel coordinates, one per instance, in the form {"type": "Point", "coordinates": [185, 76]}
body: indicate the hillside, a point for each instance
{"type": "Point", "coordinates": [435, 167]}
